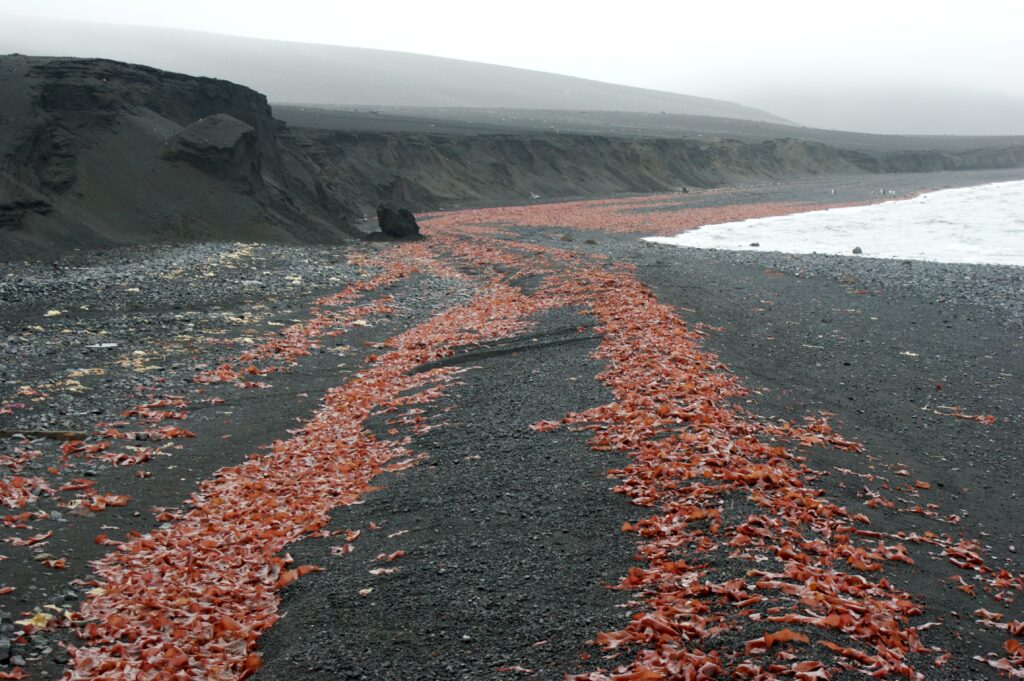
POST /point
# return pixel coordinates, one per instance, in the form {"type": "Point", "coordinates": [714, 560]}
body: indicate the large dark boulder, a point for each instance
{"type": "Point", "coordinates": [397, 222]}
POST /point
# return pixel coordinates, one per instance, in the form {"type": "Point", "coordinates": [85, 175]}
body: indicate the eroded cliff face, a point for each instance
{"type": "Point", "coordinates": [428, 171]}
{"type": "Point", "coordinates": [931, 161]}
{"type": "Point", "coordinates": [94, 151]}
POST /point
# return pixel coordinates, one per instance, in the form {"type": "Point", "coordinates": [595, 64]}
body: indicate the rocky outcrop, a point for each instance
{"type": "Point", "coordinates": [220, 145]}
{"type": "Point", "coordinates": [396, 222]}
{"type": "Point", "coordinates": [94, 151]}
{"type": "Point", "coordinates": [12, 213]}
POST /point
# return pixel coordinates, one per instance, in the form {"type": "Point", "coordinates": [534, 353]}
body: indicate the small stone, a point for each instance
{"type": "Point", "coordinates": [1013, 549]}
{"type": "Point", "coordinates": [60, 656]}
{"type": "Point", "coordinates": [566, 237]}
{"type": "Point", "coordinates": [754, 244]}
{"type": "Point", "coordinates": [467, 637]}
{"type": "Point", "coordinates": [857, 250]}
{"type": "Point", "coordinates": [17, 661]}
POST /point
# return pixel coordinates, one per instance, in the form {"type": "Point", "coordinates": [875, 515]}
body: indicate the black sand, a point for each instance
{"type": "Point", "coordinates": [514, 547]}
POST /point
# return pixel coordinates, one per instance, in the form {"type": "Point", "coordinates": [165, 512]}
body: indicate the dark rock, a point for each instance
{"type": "Point", "coordinates": [396, 222]}
{"type": "Point", "coordinates": [857, 250]}
{"type": "Point", "coordinates": [755, 244]}
{"type": "Point", "coordinates": [51, 153]}
{"type": "Point", "coordinates": [67, 119]}
{"type": "Point", "coordinates": [220, 145]}
{"type": "Point", "coordinates": [12, 213]}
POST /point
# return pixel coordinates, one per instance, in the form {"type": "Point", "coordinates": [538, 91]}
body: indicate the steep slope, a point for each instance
{"type": "Point", "coordinates": [326, 74]}
{"type": "Point", "coordinates": [94, 151]}
{"type": "Point", "coordinates": [428, 171]}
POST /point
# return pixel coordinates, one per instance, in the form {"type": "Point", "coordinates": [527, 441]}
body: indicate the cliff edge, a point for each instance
{"type": "Point", "coordinates": [97, 152]}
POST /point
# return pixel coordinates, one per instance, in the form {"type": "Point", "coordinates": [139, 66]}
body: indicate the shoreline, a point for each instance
{"type": "Point", "coordinates": [919, 220]}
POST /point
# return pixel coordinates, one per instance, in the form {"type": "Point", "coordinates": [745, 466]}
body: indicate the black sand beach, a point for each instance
{"type": "Point", "coordinates": [512, 537]}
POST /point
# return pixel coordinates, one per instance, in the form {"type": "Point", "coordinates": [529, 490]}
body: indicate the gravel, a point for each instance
{"type": "Point", "coordinates": [512, 535]}
{"type": "Point", "coordinates": [997, 288]}
{"type": "Point", "coordinates": [192, 310]}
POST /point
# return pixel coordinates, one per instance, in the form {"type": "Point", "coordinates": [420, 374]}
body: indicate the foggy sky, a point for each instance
{"type": "Point", "coordinates": [800, 59]}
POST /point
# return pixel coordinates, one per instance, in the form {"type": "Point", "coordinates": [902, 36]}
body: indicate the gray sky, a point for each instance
{"type": "Point", "coordinates": [757, 52]}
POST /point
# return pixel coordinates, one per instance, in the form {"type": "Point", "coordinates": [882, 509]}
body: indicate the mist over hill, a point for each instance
{"type": "Point", "coordinates": [347, 76]}
{"type": "Point", "coordinates": [906, 110]}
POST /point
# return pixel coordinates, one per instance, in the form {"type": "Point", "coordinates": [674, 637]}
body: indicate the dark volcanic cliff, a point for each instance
{"type": "Point", "coordinates": [96, 152]}
{"type": "Point", "coordinates": [427, 171]}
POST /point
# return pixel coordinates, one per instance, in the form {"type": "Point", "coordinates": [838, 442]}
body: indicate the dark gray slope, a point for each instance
{"type": "Point", "coordinates": [91, 154]}
{"type": "Point", "coordinates": [326, 74]}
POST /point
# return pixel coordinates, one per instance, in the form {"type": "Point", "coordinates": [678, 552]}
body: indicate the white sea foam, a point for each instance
{"type": "Point", "coordinates": [983, 224]}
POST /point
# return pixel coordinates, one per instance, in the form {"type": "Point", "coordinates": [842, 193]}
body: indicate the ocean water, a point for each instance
{"type": "Point", "coordinates": [983, 224]}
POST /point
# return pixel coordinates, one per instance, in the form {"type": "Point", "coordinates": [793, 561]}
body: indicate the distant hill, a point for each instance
{"type": "Point", "coordinates": [907, 110]}
{"type": "Point", "coordinates": [301, 73]}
